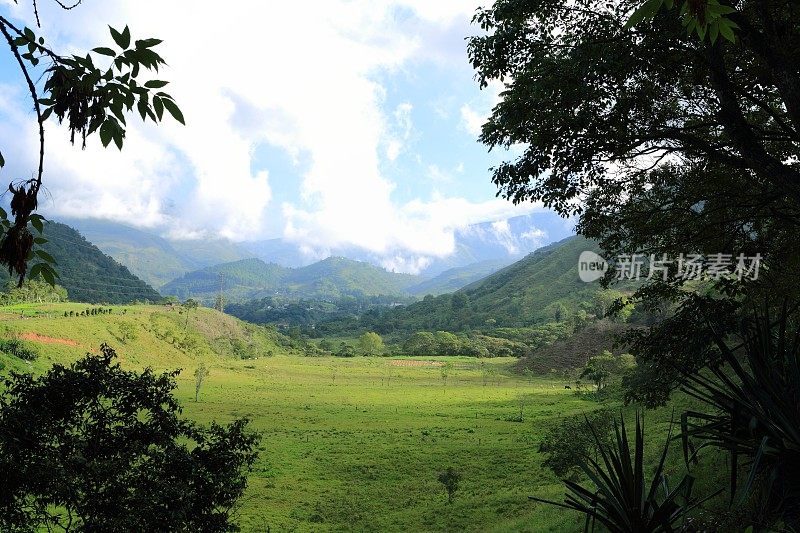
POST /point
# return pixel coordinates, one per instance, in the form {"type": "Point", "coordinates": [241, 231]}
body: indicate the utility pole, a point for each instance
{"type": "Point", "coordinates": [219, 305]}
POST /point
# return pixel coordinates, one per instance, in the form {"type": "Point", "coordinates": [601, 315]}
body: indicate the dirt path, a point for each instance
{"type": "Point", "coordinates": [47, 340]}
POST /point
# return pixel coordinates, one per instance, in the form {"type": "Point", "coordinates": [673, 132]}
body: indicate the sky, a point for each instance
{"type": "Point", "coordinates": [330, 124]}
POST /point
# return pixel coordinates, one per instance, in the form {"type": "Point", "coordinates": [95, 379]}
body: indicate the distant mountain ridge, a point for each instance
{"type": "Point", "coordinates": [330, 278]}
{"type": "Point", "coordinates": [159, 260]}
{"type": "Point", "coordinates": [87, 273]}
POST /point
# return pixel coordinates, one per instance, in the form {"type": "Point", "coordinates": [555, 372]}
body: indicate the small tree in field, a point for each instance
{"type": "Point", "coordinates": [450, 478]}
{"type": "Point", "coordinates": [370, 343]}
{"type": "Point", "coordinates": [445, 370]}
{"type": "Point", "coordinates": [200, 374]}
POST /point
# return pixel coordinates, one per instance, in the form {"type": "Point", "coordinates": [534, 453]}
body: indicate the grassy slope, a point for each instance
{"type": "Point", "coordinates": [358, 447]}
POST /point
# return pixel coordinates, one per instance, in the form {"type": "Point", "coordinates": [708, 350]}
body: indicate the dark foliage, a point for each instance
{"type": "Point", "coordinates": [703, 138]}
{"type": "Point", "coordinates": [622, 499]}
{"type": "Point", "coordinates": [754, 412]}
{"type": "Point", "coordinates": [93, 447]}
{"type": "Point", "coordinates": [567, 443]}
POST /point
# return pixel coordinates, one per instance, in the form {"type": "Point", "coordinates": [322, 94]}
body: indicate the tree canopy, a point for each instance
{"type": "Point", "coordinates": [661, 142]}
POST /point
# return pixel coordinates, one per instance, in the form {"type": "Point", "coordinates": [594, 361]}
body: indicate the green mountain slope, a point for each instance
{"type": "Point", "coordinates": [525, 293]}
{"type": "Point", "coordinates": [455, 278]}
{"type": "Point", "coordinates": [154, 259]}
{"type": "Point", "coordinates": [143, 335]}
{"type": "Point", "coordinates": [87, 273]}
{"type": "Point", "coordinates": [252, 278]}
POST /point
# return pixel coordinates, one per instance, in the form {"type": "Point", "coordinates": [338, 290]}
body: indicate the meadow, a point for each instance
{"type": "Point", "coordinates": [349, 443]}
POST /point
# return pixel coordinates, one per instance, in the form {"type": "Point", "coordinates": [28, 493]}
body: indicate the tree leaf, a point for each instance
{"type": "Point", "coordinates": [147, 43]}
{"type": "Point", "coordinates": [646, 11]}
{"type": "Point", "coordinates": [3, 214]}
{"type": "Point", "coordinates": [173, 110]}
{"type": "Point", "coordinates": [123, 39]}
{"type": "Point", "coordinates": [155, 84]}
{"type": "Point", "coordinates": [726, 31]}
{"type": "Point", "coordinates": [36, 222]}
{"type": "Point", "coordinates": [2, 160]}
{"type": "Point", "coordinates": [48, 275]}
{"type": "Point", "coordinates": [106, 133]}
{"type": "Point", "coordinates": [105, 51]}
{"type": "Point", "coordinates": [47, 257]}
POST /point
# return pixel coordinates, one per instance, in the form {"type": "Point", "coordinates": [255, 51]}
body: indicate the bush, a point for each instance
{"type": "Point", "coordinates": [18, 349]}
{"type": "Point", "coordinates": [571, 440]}
{"type": "Point", "coordinates": [93, 424]}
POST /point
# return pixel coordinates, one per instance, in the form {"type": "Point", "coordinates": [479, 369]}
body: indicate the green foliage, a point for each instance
{"type": "Point", "coordinates": [19, 349]}
{"type": "Point", "coordinates": [621, 498]}
{"type": "Point", "coordinates": [584, 95]}
{"type": "Point", "coordinates": [89, 98]}
{"type": "Point", "coordinates": [32, 291]}
{"type": "Point", "coordinates": [570, 441]}
{"type": "Point", "coordinates": [92, 424]}
{"type": "Point", "coordinates": [752, 413]}
{"type": "Point", "coordinates": [600, 369]}
{"type": "Point", "coordinates": [370, 343]}
{"type": "Point", "coordinates": [200, 374]}
{"type": "Point", "coordinates": [450, 478]}
{"type": "Point", "coordinates": [128, 332]}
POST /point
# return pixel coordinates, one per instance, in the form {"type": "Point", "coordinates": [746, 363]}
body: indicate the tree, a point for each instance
{"type": "Point", "coordinates": [601, 368]}
{"type": "Point", "coordinates": [573, 439]}
{"type": "Point", "coordinates": [660, 142]}
{"type": "Point", "coordinates": [370, 343]}
{"type": "Point", "coordinates": [92, 447]}
{"type": "Point", "coordinates": [450, 478]}
{"type": "Point", "coordinates": [90, 98]}
{"type": "Point", "coordinates": [445, 370]}
{"type": "Point", "coordinates": [188, 306]}
{"type": "Point", "coordinates": [200, 374]}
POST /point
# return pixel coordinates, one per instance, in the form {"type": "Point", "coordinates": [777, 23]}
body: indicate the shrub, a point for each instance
{"type": "Point", "coordinates": [93, 424]}
{"type": "Point", "coordinates": [18, 349]}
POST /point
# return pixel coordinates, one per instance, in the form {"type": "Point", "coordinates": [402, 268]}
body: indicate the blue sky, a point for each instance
{"type": "Point", "coordinates": [330, 124]}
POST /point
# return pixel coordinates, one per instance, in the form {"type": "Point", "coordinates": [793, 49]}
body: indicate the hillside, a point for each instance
{"type": "Point", "coordinates": [455, 278]}
{"type": "Point", "coordinates": [143, 335]}
{"type": "Point", "coordinates": [330, 278]}
{"type": "Point", "coordinates": [87, 273]}
{"type": "Point", "coordinates": [527, 292]}
{"type": "Point", "coordinates": [152, 258]}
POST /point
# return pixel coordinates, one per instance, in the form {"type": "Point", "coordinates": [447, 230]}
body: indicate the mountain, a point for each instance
{"type": "Point", "coordinates": [528, 292]}
{"type": "Point", "coordinates": [154, 259]}
{"type": "Point", "coordinates": [455, 278]}
{"type": "Point", "coordinates": [87, 273]}
{"type": "Point", "coordinates": [158, 260]}
{"type": "Point", "coordinates": [330, 278]}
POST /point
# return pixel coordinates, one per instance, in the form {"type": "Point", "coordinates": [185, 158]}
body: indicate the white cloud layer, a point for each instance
{"type": "Point", "coordinates": [299, 76]}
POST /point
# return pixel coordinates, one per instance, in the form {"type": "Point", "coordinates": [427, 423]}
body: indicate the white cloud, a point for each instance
{"type": "Point", "coordinates": [303, 78]}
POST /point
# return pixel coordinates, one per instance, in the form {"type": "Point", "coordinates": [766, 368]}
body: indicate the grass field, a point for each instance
{"type": "Point", "coordinates": [351, 444]}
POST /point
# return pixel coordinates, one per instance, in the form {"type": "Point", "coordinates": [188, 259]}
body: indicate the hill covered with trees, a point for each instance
{"type": "Point", "coordinates": [88, 274]}
{"type": "Point", "coordinates": [331, 278]}
{"type": "Point", "coordinates": [543, 287]}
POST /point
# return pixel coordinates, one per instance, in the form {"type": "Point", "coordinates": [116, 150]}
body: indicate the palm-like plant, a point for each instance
{"type": "Point", "coordinates": [755, 412]}
{"type": "Point", "coordinates": [623, 501]}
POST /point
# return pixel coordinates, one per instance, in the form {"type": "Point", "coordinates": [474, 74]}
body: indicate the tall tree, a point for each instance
{"type": "Point", "coordinates": [660, 142]}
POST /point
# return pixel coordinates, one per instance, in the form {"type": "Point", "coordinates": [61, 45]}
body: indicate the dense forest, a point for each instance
{"type": "Point", "coordinates": [88, 274]}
